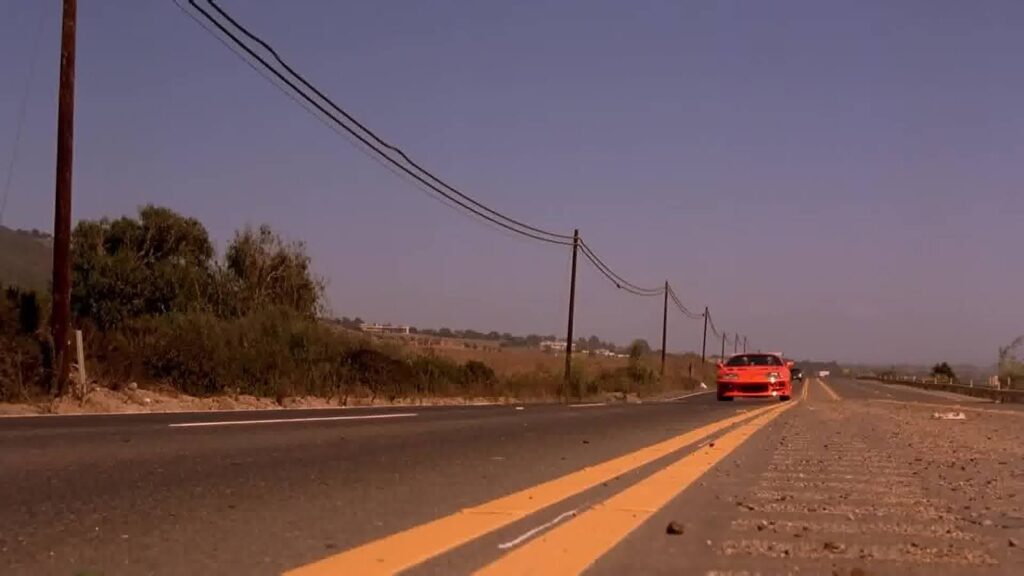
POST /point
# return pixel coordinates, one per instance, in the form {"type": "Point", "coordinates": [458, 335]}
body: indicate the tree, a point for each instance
{"type": "Point", "coordinates": [943, 369]}
{"type": "Point", "coordinates": [125, 268]}
{"type": "Point", "coordinates": [163, 262]}
{"type": "Point", "coordinates": [639, 348]}
{"type": "Point", "coordinates": [29, 313]}
{"type": "Point", "coordinates": [1011, 370]}
{"type": "Point", "coordinates": [262, 270]}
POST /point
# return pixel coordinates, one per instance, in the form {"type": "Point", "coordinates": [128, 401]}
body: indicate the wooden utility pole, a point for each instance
{"type": "Point", "coordinates": [704, 344]}
{"type": "Point", "coordinates": [744, 344]}
{"type": "Point", "coordinates": [723, 346]}
{"type": "Point", "coordinates": [61, 313]}
{"type": "Point", "coordinates": [664, 329]}
{"type": "Point", "coordinates": [572, 309]}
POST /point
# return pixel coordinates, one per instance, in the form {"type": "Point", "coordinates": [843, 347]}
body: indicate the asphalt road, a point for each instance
{"type": "Point", "coordinates": [851, 476]}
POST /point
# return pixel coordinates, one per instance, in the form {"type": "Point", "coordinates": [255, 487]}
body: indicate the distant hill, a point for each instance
{"type": "Point", "coordinates": [25, 258]}
{"type": "Point", "coordinates": [814, 366]}
{"type": "Point", "coordinates": [963, 371]}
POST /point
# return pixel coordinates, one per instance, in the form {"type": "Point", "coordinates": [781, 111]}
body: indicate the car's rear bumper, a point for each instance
{"type": "Point", "coordinates": [753, 389]}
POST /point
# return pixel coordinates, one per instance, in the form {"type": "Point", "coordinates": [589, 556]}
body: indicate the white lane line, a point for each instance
{"type": "Point", "coordinates": [248, 410]}
{"type": "Point", "coordinates": [157, 412]}
{"type": "Point", "coordinates": [691, 394]}
{"type": "Point", "coordinates": [587, 405]}
{"type": "Point", "coordinates": [829, 390]}
{"type": "Point", "coordinates": [529, 533]}
{"type": "Point", "coordinates": [281, 420]}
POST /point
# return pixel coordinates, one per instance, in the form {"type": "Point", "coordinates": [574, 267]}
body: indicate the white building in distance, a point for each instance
{"type": "Point", "coordinates": [557, 345]}
{"type": "Point", "coordinates": [383, 329]}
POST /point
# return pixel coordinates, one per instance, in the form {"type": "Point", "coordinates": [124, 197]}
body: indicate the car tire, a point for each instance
{"type": "Point", "coordinates": [783, 398]}
{"type": "Point", "coordinates": [724, 398]}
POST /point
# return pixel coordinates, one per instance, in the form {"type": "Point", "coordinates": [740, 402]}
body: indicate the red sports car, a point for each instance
{"type": "Point", "coordinates": [755, 376]}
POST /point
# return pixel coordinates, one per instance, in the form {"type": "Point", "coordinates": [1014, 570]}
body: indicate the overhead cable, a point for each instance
{"type": "Point", "coordinates": [367, 138]}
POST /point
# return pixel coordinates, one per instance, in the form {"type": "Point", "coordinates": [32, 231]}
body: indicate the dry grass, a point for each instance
{"type": "Point", "coordinates": [512, 361]}
{"type": "Point", "coordinates": [682, 371]}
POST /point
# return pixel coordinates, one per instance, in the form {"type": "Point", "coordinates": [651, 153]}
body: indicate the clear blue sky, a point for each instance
{"type": "Point", "coordinates": [835, 179]}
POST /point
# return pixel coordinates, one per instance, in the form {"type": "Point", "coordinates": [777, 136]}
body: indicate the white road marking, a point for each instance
{"type": "Point", "coordinates": [281, 420]}
{"type": "Point", "coordinates": [832, 393]}
{"type": "Point", "coordinates": [249, 410]}
{"type": "Point", "coordinates": [529, 533]}
{"type": "Point", "coordinates": [220, 411]}
{"type": "Point", "coordinates": [689, 395]}
{"type": "Point", "coordinates": [588, 405]}
{"type": "Point", "coordinates": [706, 442]}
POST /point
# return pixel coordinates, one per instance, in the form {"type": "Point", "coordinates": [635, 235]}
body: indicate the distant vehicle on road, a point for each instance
{"type": "Point", "coordinates": [796, 374]}
{"type": "Point", "coordinates": [755, 376]}
{"type": "Point", "coordinates": [823, 373]}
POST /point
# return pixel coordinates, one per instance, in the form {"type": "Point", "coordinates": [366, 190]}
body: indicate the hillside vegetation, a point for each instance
{"type": "Point", "coordinates": [158, 306]}
{"type": "Point", "coordinates": [25, 258]}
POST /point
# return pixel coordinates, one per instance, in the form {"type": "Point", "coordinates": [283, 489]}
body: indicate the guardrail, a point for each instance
{"type": "Point", "coordinates": [999, 395]}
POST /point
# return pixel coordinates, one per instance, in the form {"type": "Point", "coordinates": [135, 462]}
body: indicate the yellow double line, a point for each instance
{"type": "Point", "coordinates": [603, 526]}
{"type": "Point", "coordinates": [572, 547]}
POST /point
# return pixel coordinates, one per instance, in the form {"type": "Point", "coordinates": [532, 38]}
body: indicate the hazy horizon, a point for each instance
{"type": "Point", "coordinates": [838, 181]}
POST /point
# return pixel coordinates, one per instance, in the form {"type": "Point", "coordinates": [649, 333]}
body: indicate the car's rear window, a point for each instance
{"type": "Point", "coordinates": [754, 360]}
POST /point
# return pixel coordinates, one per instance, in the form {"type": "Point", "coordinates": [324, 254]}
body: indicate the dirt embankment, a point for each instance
{"type": "Point", "coordinates": [133, 399]}
{"type": "Point", "coordinates": [101, 400]}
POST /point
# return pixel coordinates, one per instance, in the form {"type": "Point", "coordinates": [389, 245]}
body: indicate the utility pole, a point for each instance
{"type": "Point", "coordinates": [723, 346]}
{"type": "Point", "coordinates": [704, 345]}
{"type": "Point", "coordinates": [736, 343]}
{"type": "Point", "coordinates": [664, 329]}
{"type": "Point", "coordinates": [572, 309]}
{"type": "Point", "coordinates": [61, 313]}
{"type": "Point", "coordinates": [744, 344]}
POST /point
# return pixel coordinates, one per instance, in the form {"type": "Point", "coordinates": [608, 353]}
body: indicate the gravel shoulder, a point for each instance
{"type": "Point", "coordinates": [854, 486]}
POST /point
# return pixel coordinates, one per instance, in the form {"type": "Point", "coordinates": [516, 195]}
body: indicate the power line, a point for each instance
{"type": "Point", "coordinates": [711, 324]}
{"type": "Point", "coordinates": [22, 112]}
{"type": "Point", "coordinates": [682, 308]}
{"type": "Point", "coordinates": [616, 279]}
{"type": "Point", "coordinates": [301, 91]}
{"type": "Point", "coordinates": [328, 121]}
{"type": "Point", "coordinates": [371, 133]}
{"type": "Point", "coordinates": [454, 196]}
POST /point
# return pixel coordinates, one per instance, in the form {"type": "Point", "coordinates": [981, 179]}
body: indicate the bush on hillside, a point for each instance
{"type": "Point", "coordinates": [156, 304]}
{"type": "Point", "coordinates": [270, 353]}
{"type": "Point", "coordinates": [23, 351]}
{"type": "Point", "coordinates": [163, 263]}
{"type": "Point", "coordinates": [277, 353]}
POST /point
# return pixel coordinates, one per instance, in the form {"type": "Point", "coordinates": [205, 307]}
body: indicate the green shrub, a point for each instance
{"type": "Point", "coordinates": [23, 357]}
{"type": "Point", "coordinates": [539, 384]}
{"type": "Point", "coordinates": [29, 313]}
{"type": "Point", "coordinates": [274, 353]}
{"type": "Point", "coordinates": [477, 376]}
{"type": "Point", "coordinates": [382, 374]}
{"type": "Point", "coordinates": [436, 375]}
